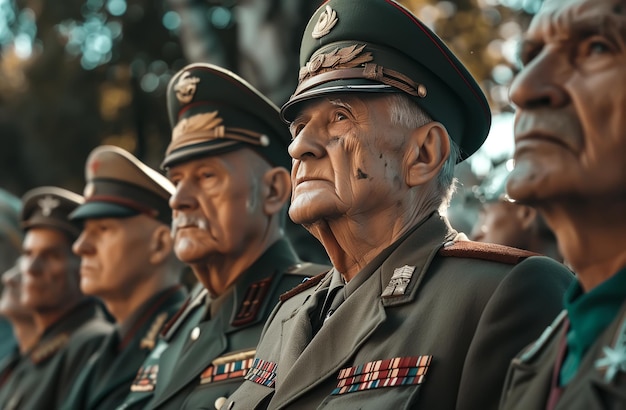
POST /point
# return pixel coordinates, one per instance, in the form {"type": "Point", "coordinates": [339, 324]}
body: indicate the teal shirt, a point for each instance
{"type": "Point", "coordinates": [589, 314]}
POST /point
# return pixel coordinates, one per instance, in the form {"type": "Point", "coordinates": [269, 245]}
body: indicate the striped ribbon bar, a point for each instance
{"type": "Point", "coordinates": [262, 372]}
{"type": "Point", "coordinates": [216, 373]}
{"type": "Point", "coordinates": [398, 371]}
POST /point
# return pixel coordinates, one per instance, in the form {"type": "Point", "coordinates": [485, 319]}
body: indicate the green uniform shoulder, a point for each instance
{"type": "Point", "coordinates": [485, 251]}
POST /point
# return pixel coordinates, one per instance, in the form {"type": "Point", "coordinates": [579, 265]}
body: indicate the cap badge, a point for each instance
{"type": "Point", "coordinates": [399, 281]}
{"type": "Point", "coordinates": [346, 57]}
{"type": "Point", "coordinates": [325, 23]}
{"type": "Point", "coordinates": [47, 204]}
{"type": "Point", "coordinates": [186, 87]}
{"type": "Point", "coordinates": [199, 126]}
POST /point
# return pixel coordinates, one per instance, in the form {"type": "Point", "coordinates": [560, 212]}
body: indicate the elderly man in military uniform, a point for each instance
{"type": "Point", "coordinates": [411, 316]}
{"type": "Point", "coordinates": [228, 161]}
{"type": "Point", "coordinates": [71, 326]}
{"type": "Point", "coordinates": [128, 261]}
{"type": "Point", "coordinates": [507, 222]}
{"type": "Point", "coordinates": [570, 145]}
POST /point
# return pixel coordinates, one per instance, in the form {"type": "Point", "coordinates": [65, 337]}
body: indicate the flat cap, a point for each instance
{"type": "Point", "coordinates": [49, 207]}
{"type": "Point", "coordinates": [213, 111]}
{"type": "Point", "coordinates": [378, 46]}
{"type": "Point", "coordinates": [119, 186]}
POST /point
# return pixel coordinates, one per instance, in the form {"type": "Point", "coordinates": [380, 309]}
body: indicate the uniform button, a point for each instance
{"type": "Point", "coordinates": [195, 333]}
{"type": "Point", "coordinates": [219, 402]}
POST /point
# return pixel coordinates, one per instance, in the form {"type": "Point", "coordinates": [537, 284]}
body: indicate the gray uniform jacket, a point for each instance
{"type": "Point", "coordinates": [45, 377]}
{"type": "Point", "coordinates": [441, 337]}
{"type": "Point", "coordinates": [204, 353]}
{"type": "Point", "coordinates": [599, 383]}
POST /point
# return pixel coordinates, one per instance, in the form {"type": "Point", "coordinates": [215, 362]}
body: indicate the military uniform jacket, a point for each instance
{"type": "Point", "coordinates": [599, 383]}
{"type": "Point", "coordinates": [205, 358]}
{"type": "Point", "coordinates": [43, 380]}
{"type": "Point", "coordinates": [442, 339]}
{"type": "Point", "coordinates": [105, 381]}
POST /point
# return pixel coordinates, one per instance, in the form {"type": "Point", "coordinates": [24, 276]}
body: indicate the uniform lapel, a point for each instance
{"type": "Point", "coordinates": [299, 328]}
{"type": "Point", "coordinates": [346, 330]}
{"type": "Point", "coordinates": [195, 357]}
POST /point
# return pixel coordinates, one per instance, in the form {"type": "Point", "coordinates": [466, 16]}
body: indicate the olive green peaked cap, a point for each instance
{"type": "Point", "coordinates": [378, 46]}
{"type": "Point", "coordinates": [119, 186]}
{"type": "Point", "coordinates": [213, 111]}
{"type": "Point", "coordinates": [49, 207]}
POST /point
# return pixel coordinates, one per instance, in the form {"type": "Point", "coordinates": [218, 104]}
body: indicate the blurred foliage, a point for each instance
{"type": "Point", "coordinates": [79, 73]}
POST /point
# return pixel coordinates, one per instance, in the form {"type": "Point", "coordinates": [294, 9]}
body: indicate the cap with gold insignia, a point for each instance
{"type": "Point", "coordinates": [213, 111]}
{"type": "Point", "coordinates": [49, 207]}
{"type": "Point", "coordinates": [120, 186]}
{"type": "Point", "coordinates": [378, 46]}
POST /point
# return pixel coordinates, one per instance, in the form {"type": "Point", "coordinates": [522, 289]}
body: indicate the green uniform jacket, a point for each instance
{"type": "Point", "coordinates": [44, 380]}
{"type": "Point", "coordinates": [443, 339]}
{"type": "Point", "coordinates": [105, 382]}
{"type": "Point", "coordinates": [529, 380]}
{"type": "Point", "coordinates": [202, 359]}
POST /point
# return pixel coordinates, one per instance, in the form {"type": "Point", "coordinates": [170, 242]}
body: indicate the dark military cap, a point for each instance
{"type": "Point", "coordinates": [120, 186]}
{"type": "Point", "coordinates": [213, 111]}
{"type": "Point", "coordinates": [49, 207]}
{"type": "Point", "coordinates": [379, 46]}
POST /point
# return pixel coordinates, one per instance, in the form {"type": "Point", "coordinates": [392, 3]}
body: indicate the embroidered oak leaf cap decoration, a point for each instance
{"type": "Point", "coordinates": [213, 111]}
{"type": "Point", "coordinates": [379, 46]}
{"type": "Point", "coordinates": [119, 186]}
{"type": "Point", "coordinates": [49, 207]}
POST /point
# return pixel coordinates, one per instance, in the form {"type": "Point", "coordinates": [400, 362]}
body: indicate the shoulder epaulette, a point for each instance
{"type": "Point", "coordinates": [149, 340]}
{"type": "Point", "coordinates": [485, 251]}
{"type": "Point", "coordinates": [49, 348]}
{"type": "Point", "coordinates": [308, 283]}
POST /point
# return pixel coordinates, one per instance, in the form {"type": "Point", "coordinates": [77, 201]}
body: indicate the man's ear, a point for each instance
{"type": "Point", "coordinates": [161, 244]}
{"type": "Point", "coordinates": [277, 184]}
{"type": "Point", "coordinates": [427, 150]}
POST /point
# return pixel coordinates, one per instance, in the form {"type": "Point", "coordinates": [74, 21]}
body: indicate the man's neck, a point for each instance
{"type": "Point", "coordinates": [25, 333]}
{"type": "Point", "coordinates": [123, 308]}
{"type": "Point", "coordinates": [44, 319]}
{"type": "Point", "coordinates": [590, 238]}
{"type": "Point", "coordinates": [352, 243]}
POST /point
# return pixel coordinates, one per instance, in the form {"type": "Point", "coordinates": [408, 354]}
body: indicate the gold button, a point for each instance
{"type": "Point", "coordinates": [195, 333]}
{"type": "Point", "coordinates": [219, 402]}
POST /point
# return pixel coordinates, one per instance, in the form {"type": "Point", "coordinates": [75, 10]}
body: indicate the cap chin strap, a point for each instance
{"type": "Point", "coordinates": [368, 71]}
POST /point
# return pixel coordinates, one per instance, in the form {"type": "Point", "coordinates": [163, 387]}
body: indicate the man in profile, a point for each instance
{"type": "Point", "coordinates": [128, 262]}
{"type": "Point", "coordinates": [410, 316]}
{"type": "Point", "coordinates": [70, 325]}
{"type": "Point", "coordinates": [570, 145]}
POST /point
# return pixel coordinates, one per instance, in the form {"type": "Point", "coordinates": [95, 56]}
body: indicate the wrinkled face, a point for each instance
{"type": "Point", "coordinates": [217, 207]}
{"type": "Point", "coordinates": [50, 270]}
{"type": "Point", "coordinates": [347, 159]}
{"type": "Point", "coordinates": [570, 128]}
{"type": "Point", "coordinates": [499, 222]}
{"type": "Point", "coordinates": [114, 255]}
{"type": "Point", "coordinates": [10, 304]}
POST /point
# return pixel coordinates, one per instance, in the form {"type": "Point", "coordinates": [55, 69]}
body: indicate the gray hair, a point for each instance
{"type": "Point", "coordinates": [405, 112]}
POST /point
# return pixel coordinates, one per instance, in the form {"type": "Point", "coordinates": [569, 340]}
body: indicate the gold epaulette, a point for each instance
{"type": "Point", "coordinates": [485, 251]}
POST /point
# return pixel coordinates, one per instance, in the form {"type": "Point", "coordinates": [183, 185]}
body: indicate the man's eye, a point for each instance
{"type": "Point", "coordinates": [339, 116]}
{"type": "Point", "coordinates": [595, 45]}
{"type": "Point", "coordinates": [296, 129]}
